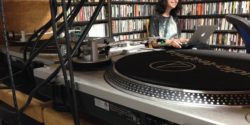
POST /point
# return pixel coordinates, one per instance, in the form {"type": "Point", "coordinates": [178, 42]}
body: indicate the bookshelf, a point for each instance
{"type": "Point", "coordinates": [152, 2]}
{"type": "Point", "coordinates": [102, 22]}
{"type": "Point", "coordinates": [209, 16]}
{"type": "Point", "coordinates": [127, 19]}
{"type": "Point", "coordinates": [134, 15]}
{"type": "Point", "coordinates": [220, 38]}
{"type": "Point", "coordinates": [205, 1]}
{"type": "Point", "coordinates": [123, 19]}
{"type": "Point", "coordinates": [127, 33]}
{"type": "Point", "coordinates": [213, 12]}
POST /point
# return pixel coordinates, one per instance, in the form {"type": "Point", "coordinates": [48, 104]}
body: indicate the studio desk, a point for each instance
{"type": "Point", "coordinates": [106, 102]}
{"type": "Point", "coordinates": [38, 112]}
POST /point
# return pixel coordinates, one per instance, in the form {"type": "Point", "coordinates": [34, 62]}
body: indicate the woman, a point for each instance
{"type": "Point", "coordinates": [166, 25]}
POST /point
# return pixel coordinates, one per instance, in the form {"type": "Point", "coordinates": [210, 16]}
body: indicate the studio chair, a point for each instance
{"type": "Point", "coordinates": [243, 28]}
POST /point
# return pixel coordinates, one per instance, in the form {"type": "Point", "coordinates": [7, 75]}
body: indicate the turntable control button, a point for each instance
{"type": "Point", "coordinates": [248, 117]}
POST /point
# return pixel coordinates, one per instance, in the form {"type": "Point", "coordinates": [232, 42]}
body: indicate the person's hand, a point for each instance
{"type": "Point", "coordinates": [183, 40]}
{"type": "Point", "coordinates": [176, 43]}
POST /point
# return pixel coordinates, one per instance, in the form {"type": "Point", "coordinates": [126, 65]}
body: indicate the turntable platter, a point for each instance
{"type": "Point", "coordinates": [184, 76]}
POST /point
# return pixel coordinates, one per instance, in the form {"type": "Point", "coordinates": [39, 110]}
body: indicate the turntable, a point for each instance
{"type": "Point", "coordinates": [184, 77]}
{"type": "Point", "coordinates": [176, 87]}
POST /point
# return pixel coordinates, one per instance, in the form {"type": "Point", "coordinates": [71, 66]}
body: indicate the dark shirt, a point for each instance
{"type": "Point", "coordinates": [158, 24]}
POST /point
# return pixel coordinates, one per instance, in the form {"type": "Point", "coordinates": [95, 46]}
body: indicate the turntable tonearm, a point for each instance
{"type": "Point", "coordinates": [93, 53]}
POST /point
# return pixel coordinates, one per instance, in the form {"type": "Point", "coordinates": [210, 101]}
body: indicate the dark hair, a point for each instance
{"type": "Point", "coordinates": [161, 7]}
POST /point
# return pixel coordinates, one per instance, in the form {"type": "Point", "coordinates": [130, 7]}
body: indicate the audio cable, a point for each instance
{"type": "Point", "coordinates": [70, 20]}
{"type": "Point", "coordinates": [71, 86]}
{"type": "Point", "coordinates": [57, 70]}
{"type": "Point", "coordinates": [73, 14]}
{"type": "Point", "coordinates": [13, 87]}
{"type": "Point", "coordinates": [53, 11]}
{"type": "Point", "coordinates": [75, 48]}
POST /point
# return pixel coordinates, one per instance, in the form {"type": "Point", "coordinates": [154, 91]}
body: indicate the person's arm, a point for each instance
{"type": "Point", "coordinates": [176, 43]}
{"type": "Point", "coordinates": [183, 40]}
{"type": "Point", "coordinates": [152, 28]}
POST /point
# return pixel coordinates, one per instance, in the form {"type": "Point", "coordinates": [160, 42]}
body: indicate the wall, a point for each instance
{"type": "Point", "coordinates": [26, 15]}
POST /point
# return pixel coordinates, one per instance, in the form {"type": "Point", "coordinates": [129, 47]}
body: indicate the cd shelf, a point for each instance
{"type": "Point", "coordinates": [118, 13]}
